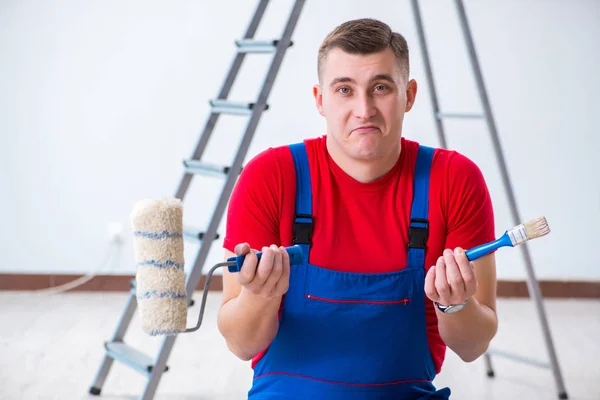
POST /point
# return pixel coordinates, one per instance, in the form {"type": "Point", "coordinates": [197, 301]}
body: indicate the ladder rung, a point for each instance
{"type": "Point", "coordinates": [460, 116]}
{"type": "Point", "coordinates": [195, 235]}
{"type": "Point", "coordinates": [130, 356]}
{"type": "Point", "coordinates": [199, 167]}
{"type": "Point", "coordinates": [232, 107]}
{"type": "Point", "coordinates": [257, 46]}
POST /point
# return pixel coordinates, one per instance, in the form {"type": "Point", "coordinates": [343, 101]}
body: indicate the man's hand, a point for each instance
{"type": "Point", "coordinates": [268, 278]}
{"type": "Point", "coordinates": [452, 280]}
{"type": "Point", "coordinates": [248, 318]}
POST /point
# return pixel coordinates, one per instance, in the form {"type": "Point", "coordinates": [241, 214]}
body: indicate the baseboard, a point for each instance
{"type": "Point", "coordinates": [550, 289]}
{"type": "Point", "coordinates": [108, 283]}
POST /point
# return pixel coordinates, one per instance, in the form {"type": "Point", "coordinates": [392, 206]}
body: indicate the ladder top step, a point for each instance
{"type": "Point", "coordinates": [233, 107]}
{"type": "Point", "coordinates": [257, 46]}
{"type": "Point", "coordinates": [459, 116]}
{"type": "Point", "coordinates": [200, 167]}
{"type": "Point", "coordinates": [131, 357]}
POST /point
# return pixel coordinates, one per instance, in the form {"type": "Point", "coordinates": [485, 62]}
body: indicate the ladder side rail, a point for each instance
{"type": "Point", "coordinates": [532, 282]}
{"type": "Point", "coordinates": [223, 93]}
{"type": "Point", "coordinates": [196, 274]}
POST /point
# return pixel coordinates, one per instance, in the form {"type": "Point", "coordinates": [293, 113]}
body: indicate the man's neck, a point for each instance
{"type": "Point", "coordinates": [363, 171]}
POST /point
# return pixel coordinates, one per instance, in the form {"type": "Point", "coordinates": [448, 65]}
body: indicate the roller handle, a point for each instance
{"type": "Point", "coordinates": [295, 253]}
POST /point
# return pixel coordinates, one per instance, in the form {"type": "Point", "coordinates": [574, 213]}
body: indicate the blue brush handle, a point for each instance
{"type": "Point", "coordinates": [295, 253]}
{"type": "Point", "coordinates": [487, 248]}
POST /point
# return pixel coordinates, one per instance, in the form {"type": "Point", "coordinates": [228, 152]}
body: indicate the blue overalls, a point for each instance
{"type": "Point", "coordinates": [352, 335]}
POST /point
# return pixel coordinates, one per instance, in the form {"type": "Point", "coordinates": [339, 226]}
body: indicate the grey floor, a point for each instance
{"type": "Point", "coordinates": [51, 347]}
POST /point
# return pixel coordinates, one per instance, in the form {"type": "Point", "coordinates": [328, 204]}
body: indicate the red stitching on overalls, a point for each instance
{"type": "Point", "coordinates": [402, 301]}
{"type": "Point", "coordinates": [342, 383]}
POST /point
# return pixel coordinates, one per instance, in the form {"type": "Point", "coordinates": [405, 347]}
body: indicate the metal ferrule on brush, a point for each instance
{"type": "Point", "coordinates": [517, 235]}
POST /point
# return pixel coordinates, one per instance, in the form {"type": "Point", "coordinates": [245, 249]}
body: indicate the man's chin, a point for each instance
{"type": "Point", "coordinates": [369, 143]}
{"type": "Point", "coordinates": [366, 153]}
{"type": "Point", "coordinates": [371, 150]}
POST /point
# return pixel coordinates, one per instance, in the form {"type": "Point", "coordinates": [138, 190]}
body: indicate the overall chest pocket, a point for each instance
{"type": "Point", "coordinates": [362, 326]}
{"type": "Point", "coordinates": [359, 289]}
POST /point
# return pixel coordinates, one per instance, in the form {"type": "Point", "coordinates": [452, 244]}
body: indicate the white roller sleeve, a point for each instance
{"type": "Point", "coordinates": [160, 278]}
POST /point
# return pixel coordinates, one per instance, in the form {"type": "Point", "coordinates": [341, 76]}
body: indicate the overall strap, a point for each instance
{"type": "Point", "coordinates": [303, 221]}
{"type": "Point", "coordinates": [419, 224]}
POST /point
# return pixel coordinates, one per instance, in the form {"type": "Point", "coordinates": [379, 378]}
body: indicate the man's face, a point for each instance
{"type": "Point", "coordinates": [364, 98]}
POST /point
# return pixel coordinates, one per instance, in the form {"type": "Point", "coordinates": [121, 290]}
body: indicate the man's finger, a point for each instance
{"type": "Point", "coordinates": [455, 279]}
{"type": "Point", "coordinates": [276, 271]}
{"type": "Point", "coordinates": [242, 249]}
{"type": "Point", "coordinates": [441, 282]}
{"type": "Point", "coordinates": [248, 270]}
{"type": "Point", "coordinates": [285, 257]}
{"type": "Point", "coordinates": [430, 285]}
{"type": "Point", "coordinates": [284, 281]}
{"type": "Point", "coordinates": [265, 266]}
{"type": "Point", "coordinates": [466, 270]}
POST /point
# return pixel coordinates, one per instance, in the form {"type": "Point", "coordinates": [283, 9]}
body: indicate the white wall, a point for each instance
{"type": "Point", "coordinates": [100, 102]}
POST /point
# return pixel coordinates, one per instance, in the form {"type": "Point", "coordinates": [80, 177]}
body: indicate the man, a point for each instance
{"type": "Point", "coordinates": [385, 284]}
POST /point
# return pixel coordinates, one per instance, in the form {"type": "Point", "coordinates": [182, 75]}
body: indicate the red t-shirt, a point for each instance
{"type": "Point", "coordinates": [362, 227]}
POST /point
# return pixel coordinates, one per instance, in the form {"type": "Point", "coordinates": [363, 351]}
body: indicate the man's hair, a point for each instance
{"type": "Point", "coordinates": [365, 36]}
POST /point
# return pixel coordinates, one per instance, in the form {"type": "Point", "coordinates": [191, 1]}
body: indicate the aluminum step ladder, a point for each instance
{"type": "Point", "coordinates": [116, 348]}
{"type": "Point", "coordinates": [532, 283]}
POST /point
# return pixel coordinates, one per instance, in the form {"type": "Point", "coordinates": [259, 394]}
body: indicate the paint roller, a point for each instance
{"type": "Point", "coordinates": [160, 276]}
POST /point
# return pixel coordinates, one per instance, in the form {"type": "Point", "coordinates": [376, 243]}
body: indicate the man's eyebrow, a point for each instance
{"type": "Point", "coordinates": [378, 77]}
{"type": "Point", "coordinates": [383, 77]}
{"type": "Point", "coordinates": [341, 79]}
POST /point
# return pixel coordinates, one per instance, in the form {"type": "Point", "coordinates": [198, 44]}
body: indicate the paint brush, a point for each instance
{"type": "Point", "coordinates": [532, 229]}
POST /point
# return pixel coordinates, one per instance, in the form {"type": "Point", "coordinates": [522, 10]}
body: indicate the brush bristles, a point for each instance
{"type": "Point", "coordinates": [536, 228]}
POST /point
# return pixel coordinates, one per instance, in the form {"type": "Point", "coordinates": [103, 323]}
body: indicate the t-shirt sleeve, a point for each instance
{"type": "Point", "coordinates": [470, 212]}
{"type": "Point", "coordinates": [253, 214]}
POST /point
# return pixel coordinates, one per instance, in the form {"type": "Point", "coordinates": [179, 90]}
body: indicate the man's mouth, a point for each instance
{"type": "Point", "coordinates": [365, 129]}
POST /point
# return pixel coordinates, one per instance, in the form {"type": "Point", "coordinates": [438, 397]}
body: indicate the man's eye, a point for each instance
{"type": "Point", "coordinates": [380, 88]}
{"type": "Point", "coordinates": [344, 90]}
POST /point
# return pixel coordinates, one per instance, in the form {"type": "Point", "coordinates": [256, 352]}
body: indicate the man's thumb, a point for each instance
{"type": "Point", "coordinates": [242, 249]}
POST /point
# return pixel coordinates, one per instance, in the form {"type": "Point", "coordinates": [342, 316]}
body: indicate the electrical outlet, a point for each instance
{"type": "Point", "coordinates": [116, 232]}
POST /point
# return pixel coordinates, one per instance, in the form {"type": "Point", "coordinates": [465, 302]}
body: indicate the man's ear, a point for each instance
{"type": "Point", "coordinates": [318, 98]}
{"type": "Point", "coordinates": [411, 94]}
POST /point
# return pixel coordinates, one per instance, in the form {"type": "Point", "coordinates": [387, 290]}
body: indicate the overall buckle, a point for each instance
{"type": "Point", "coordinates": [417, 233]}
{"type": "Point", "coordinates": [303, 229]}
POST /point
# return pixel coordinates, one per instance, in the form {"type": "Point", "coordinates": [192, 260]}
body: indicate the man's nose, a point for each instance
{"type": "Point", "coordinates": [364, 108]}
